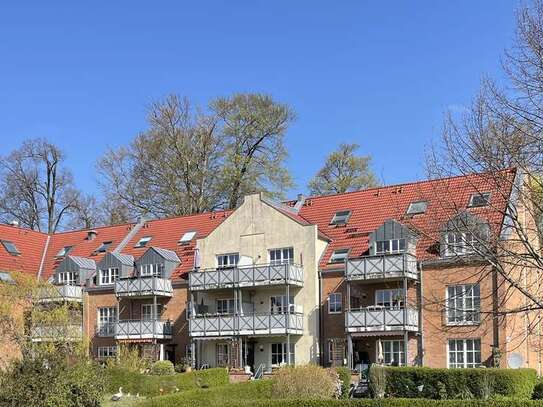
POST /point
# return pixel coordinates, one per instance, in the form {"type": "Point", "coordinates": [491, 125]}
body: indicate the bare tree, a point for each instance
{"type": "Point", "coordinates": [343, 171]}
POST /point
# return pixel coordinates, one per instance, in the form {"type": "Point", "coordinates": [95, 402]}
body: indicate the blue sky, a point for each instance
{"type": "Point", "coordinates": [376, 73]}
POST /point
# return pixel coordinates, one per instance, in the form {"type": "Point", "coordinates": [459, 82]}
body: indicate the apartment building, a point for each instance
{"type": "Point", "coordinates": [380, 275]}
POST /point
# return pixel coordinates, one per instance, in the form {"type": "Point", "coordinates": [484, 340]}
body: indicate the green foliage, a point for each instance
{"type": "Point", "coordinates": [150, 385]}
{"type": "Point", "coordinates": [378, 381]}
{"type": "Point", "coordinates": [538, 391]}
{"type": "Point", "coordinates": [459, 383]}
{"type": "Point", "coordinates": [307, 382]}
{"type": "Point", "coordinates": [129, 359]}
{"type": "Point", "coordinates": [345, 377]}
{"type": "Point", "coordinates": [162, 368]}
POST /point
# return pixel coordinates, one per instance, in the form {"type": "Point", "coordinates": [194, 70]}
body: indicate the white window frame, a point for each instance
{"type": "Point", "coordinates": [466, 303]}
{"type": "Point", "coordinates": [67, 278]}
{"type": "Point", "coordinates": [342, 259]}
{"type": "Point", "coordinates": [464, 352]}
{"type": "Point", "coordinates": [106, 319]}
{"type": "Point", "coordinates": [391, 246]}
{"type": "Point", "coordinates": [143, 241]}
{"type": "Point", "coordinates": [464, 243]}
{"type": "Point", "coordinates": [230, 306]}
{"type": "Point", "coordinates": [392, 349]}
{"type": "Point", "coordinates": [109, 276]}
{"type": "Point", "coordinates": [227, 260]}
{"type": "Point", "coordinates": [390, 298]}
{"type": "Point", "coordinates": [105, 352]}
{"type": "Point", "coordinates": [279, 352]}
{"type": "Point", "coordinates": [147, 312]}
{"type": "Point", "coordinates": [341, 218]}
{"type": "Point", "coordinates": [284, 255]}
{"type": "Point", "coordinates": [278, 304]}
{"type": "Point", "coordinates": [411, 208]}
{"type": "Point", "coordinates": [335, 300]}
{"type": "Point", "coordinates": [152, 270]}
{"type": "Point", "coordinates": [187, 237]}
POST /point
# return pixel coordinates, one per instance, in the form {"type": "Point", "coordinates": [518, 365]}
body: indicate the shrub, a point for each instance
{"type": "Point", "coordinates": [538, 391]}
{"type": "Point", "coordinates": [129, 359]}
{"type": "Point", "coordinates": [378, 381]}
{"type": "Point", "coordinates": [162, 368]}
{"type": "Point", "coordinates": [305, 382]}
{"type": "Point", "coordinates": [413, 382]}
{"type": "Point", "coordinates": [345, 377]}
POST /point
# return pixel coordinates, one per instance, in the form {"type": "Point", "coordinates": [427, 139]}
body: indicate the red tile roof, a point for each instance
{"type": "Point", "coordinates": [29, 243]}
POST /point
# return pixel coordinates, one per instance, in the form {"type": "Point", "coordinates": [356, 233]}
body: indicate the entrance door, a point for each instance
{"type": "Point", "coordinates": [250, 355]}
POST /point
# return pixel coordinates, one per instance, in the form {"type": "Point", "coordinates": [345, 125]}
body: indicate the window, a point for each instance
{"type": "Point", "coordinates": [464, 353]}
{"type": "Point", "coordinates": [282, 256]}
{"type": "Point", "coordinates": [109, 276]}
{"type": "Point", "coordinates": [107, 316]}
{"type": "Point", "coordinates": [67, 278]}
{"type": "Point", "coordinates": [279, 304]}
{"type": "Point", "coordinates": [339, 256]}
{"type": "Point", "coordinates": [147, 312]}
{"type": "Point", "coordinates": [393, 353]}
{"type": "Point", "coordinates": [279, 354]}
{"type": "Point", "coordinates": [335, 303]}
{"type": "Point", "coordinates": [149, 270]}
{"type": "Point", "coordinates": [478, 200]}
{"type": "Point", "coordinates": [389, 298]}
{"type": "Point", "coordinates": [336, 351]}
{"type": "Point", "coordinates": [5, 277]}
{"type": "Point", "coordinates": [341, 218]}
{"type": "Point", "coordinates": [390, 246]}
{"type": "Point", "coordinates": [459, 243]}
{"type": "Point", "coordinates": [416, 208]}
{"type": "Point", "coordinates": [221, 354]}
{"type": "Point", "coordinates": [103, 247]}
{"type": "Point", "coordinates": [64, 251]}
{"type": "Point", "coordinates": [187, 237]}
{"type": "Point", "coordinates": [143, 241]}
{"type": "Point", "coordinates": [10, 247]}
{"type": "Point", "coordinates": [463, 304]}
{"type": "Point", "coordinates": [227, 261]}
{"type": "Point", "coordinates": [107, 351]}
{"type": "Point", "coordinates": [225, 306]}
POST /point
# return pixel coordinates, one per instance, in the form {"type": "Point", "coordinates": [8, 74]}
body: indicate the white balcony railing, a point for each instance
{"type": "Point", "coordinates": [247, 276]}
{"type": "Point", "coordinates": [136, 329]}
{"type": "Point", "coordinates": [382, 267]}
{"type": "Point", "coordinates": [60, 293]}
{"type": "Point", "coordinates": [382, 320]}
{"type": "Point", "coordinates": [56, 333]}
{"type": "Point", "coordinates": [143, 286]}
{"type": "Point", "coordinates": [251, 324]}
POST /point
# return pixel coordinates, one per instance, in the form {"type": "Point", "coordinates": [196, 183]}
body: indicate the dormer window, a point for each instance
{"type": "Point", "coordinates": [339, 256]}
{"type": "Point", "coordinates": [341, 218]}
{"type": "Point", "coordinates": [227, 261]}
{"type": "Point", "coordinates": [143, 241]}
{"type": "Point", "coordinates": [390, 246]}
{"type": "Point", "coordinates": [103, 247]}
{"type": "Point", "coordinates": [416, 208]}
{"type": "Point", "coordinates": [67, 278]}
{"type": "Point", "coordinates": [64, 251]}
{"type": "Point", "coordinates": [187, 237]}
{"type": "Point", "coordinates": [479, 199]}
{"type": "Point", "coordinates": [108, 276]}
{"type": "Point", "coordinates": [10, 247]}
{"type": "Point", "coordinates": [149, 270]}
{"type": "Point", "coordinates": [459, 243]}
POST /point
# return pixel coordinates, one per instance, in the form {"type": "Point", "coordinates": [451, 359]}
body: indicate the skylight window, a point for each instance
{"type": "Point", "coordinates": [187, 237]}
{"type": "Point", "coordinates": [478, 200]}
{"type": "Point", "coordinates": [341, 218]}
{"type": "Point", "coordinates": [5, 277]}
{"type": "Point", "coordinates": [143, 241]}
{"type": "Point", "coordinates": [103, 247]}
{"type": "Point", "coordinates": [339, 256]}
{"type": "Point", "coordinates": [10, 247]}
{"type": "Point", "coordinates": [64, 251]}
{"type": "Point", "coordinates": [416, 208]}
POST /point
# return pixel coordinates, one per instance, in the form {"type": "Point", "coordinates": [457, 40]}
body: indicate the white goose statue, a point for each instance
{"type": "Point", "coordinates": [117, 396]}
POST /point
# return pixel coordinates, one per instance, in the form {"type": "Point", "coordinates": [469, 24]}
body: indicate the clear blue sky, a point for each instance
{"type": "Point", "coordinates": [376, 73]}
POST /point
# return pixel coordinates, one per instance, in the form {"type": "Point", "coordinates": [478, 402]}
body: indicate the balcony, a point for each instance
{"type": "Point", "coordinates": [374, 319]}
{"type": "Point", "coordinates": [136, 329]}
{"type": "Point", "coordinates": [56, 333]}
{"type": "Point", "coordinates": [60, 293]}
{"type": "Point", "coordinates": [247, 276]}
{"type": "Point", "coordinates": [382, 267]}
{"type": "Point", "coordinates": [143, 287]}
{"type": "Point", "coordinates": [252, 324]}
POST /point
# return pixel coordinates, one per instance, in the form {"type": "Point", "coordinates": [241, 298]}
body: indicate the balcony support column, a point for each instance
{"type": "Point", "coordinates": [405, 347]}
{"type": "Point", "coordinates": [349, 352]}
{"type": "Point", "coordinates": [193, 353]}
{"type": "Point", "coordinates": [240, 352]}
{"type": "Point", "coordinates": [288, 349]}
{"type": "Point", "coordinates": [348, 296]}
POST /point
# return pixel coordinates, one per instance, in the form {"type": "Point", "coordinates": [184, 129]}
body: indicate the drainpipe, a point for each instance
{"type": "Point", "coordinates": [321, 360]}
{"type": "Point", "coordinates": [421, 319]}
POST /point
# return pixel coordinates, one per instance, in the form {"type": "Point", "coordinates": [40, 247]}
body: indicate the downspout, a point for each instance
{"type": "Point", "coordinates": [42, 261]}
{"type": "Point", "coordinates": [421, 319]}
{"type": "Point", "coordinates": [321, 348]}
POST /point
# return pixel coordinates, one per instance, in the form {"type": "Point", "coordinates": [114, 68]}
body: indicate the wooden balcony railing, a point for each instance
{"type": "Point", "coordinates": [382, 320]}
{"type": "Point", "coordinates": [143, 287]}
{"type": "Point", "coordinates": [56, 333]}
{"type": "Point", "coordinates": [382, 267]}
{"type": "Point", "coordinates": [60, 293]}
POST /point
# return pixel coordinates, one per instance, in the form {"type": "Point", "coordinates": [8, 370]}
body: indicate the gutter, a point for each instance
{"type": "Point", "coordinates": [42, 261]}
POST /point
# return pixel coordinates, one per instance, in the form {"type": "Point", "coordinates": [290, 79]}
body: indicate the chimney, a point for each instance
{"type": "Point", "coordinates": [299, 202]}
{"type": "Point", "coordinates": [15, 223]}
{"type": "Point", "coordinates": [91, 234]}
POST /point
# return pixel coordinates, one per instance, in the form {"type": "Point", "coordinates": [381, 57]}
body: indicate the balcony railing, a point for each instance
{"type": "Point", "coordinates": [382, 320]}
{"type": "Point", "coordinates": [60, 293]}
{"type": "Point", "coordinates": [251, 324]}
{"type": "Point", "coordinates": [382, 267]}
{"type": "Point", "coordinates": [247, 276]}
{"type": "Point", "coordinates": [142, 329]}
{"type": "Point", "coordinates": [52, 333]}
{"type": "Point", "coordinates": [143, 287]}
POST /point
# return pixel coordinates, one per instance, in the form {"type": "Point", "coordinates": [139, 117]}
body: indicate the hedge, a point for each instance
{"type": "Point", "coordinates": [150, 385]}
{"type": "Point", "coordinates": [345, 377]}
{"type": "Point", "coordinates": [459, 383]}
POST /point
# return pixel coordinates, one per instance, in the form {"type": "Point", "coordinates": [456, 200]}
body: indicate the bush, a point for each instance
{"type": "Point", "coordinates": [538, 391]}
{"type": "Point", "coordinates": [305, 382]}
{"type": "Point", "coordinates": [150, 385]}
{"type": "Point", "coordinates": [345, 377]}
{"type": "Point", "coordinates": [129, 359]}
{"type": "Point", "coordinates": [413, 382]}
{"type": "Point", "coordinates": [162, 368]}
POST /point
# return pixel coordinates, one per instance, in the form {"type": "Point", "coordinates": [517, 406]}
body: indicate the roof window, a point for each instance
{"type": "Point", "coordinates": [103, 247]}
{"type": "Point", "coordinates": [479, 199]}
{"type": "Point", "coordinates": [341, 218]}
{"type": "Point", "coordinates": [143, 241]}
{"type": "Point", "coordinates": [416, 208]}
{"type": "Point", "coordinates": [64, 251]}
{"type": "Point", "coordinates": [339, 256]}
{"type": "Point", "coordinates": [10, 247]}
{"type": "Point", "coordinates": [187, 237]}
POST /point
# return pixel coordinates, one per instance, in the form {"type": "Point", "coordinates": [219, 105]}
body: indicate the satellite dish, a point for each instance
{"type": "Point", "coordinates": [245, 261]}
{"type": "Point", "coordinates": [515, 360]}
